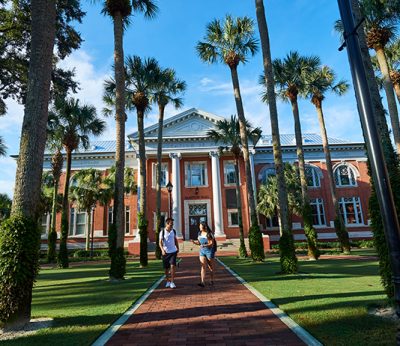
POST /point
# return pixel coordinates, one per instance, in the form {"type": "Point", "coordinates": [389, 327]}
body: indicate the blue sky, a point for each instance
{"type": "Point", "coordinates": [302, 25]}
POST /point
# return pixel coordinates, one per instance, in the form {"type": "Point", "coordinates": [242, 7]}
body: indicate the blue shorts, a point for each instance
{"type": "Point", "coordinates": [207, 252]}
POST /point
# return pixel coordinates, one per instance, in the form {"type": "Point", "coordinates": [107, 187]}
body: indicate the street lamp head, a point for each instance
{"type": "Point", "coordinates": [169, 187]}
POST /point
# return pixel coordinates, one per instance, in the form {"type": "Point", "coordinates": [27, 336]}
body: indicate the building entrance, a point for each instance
{"type": "Point", "coordinates": [197, 214]}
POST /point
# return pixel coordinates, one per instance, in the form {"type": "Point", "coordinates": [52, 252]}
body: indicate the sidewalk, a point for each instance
{"type": "Point", "coordinates": [226, 314]}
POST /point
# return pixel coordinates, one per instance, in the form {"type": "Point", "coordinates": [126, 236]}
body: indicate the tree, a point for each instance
{"type": "Point", "coordinates": [54, 143]}
{"type": "Point", "coordinates": [21, 228]}
{"type": "Point", "coordinates": [15, 49]}
{"type": "Point", "coordinates": [381, 18]}
{"type": "Point", "coordinates": [3, 148]}
{"type": "Point", "coordinates": [318, 84]}
{"type": "Point", "coordinates": [268, 201]}
{"type": "Point", "coordinates": [75, 123]}
{"type": "Point", "coordinates": [85, 193]}
{"type": "Point", "coordinates": [119, 11]}
{"type": "Point", "coordinates": [290, 79]}
{"type": "Point", "coordinates": [227, 133]}
{"type": "Point", "coordinates": [166, 92]}
{"type": "Point", "coordinates": [230, 42]}
{"type": "Point", "coordinates": [288, 258]}
{"type": "Point", "coordinates": [5, 206]}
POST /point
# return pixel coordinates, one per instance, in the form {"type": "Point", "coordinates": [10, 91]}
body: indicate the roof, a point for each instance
{"type": "Point", "coordinates": [100, 147]}
{"type": "Point", "coordinates": [308, 139]}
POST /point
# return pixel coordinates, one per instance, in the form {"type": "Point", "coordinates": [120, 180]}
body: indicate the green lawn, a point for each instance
{"type": "Point", "coordinates": [329, 298]}
{"type": "Point", "coordinates": [83, 302]}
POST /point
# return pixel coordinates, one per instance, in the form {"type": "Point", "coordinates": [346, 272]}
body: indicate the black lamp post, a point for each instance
{"type": "Point", "coordinates": [169, 187]}
{"type": "Point", "coordinates": [375, 154]}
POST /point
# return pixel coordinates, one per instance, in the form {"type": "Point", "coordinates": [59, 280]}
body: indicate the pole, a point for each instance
{"type": "Point", "coordinates": [169, 204]}
{"type": "Point", "coordinates": [380, 174]}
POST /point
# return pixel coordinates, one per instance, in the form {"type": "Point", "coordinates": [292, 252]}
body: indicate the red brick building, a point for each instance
{"type": "Point", "coordinates": [204, 183]}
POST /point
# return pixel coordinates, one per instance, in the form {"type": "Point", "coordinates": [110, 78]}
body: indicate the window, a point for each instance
{"type": "Point", "coordinates": [196, 174]}
{"type": "Point", "coordinates": [164, 175]}
{"type": "Point", "coordinates": [233, 218]}
{"type": "Point", "coordinates": [318, 212]}
{"type": "Point", "coordinates": [163, 218]}
{"type": "Point", "coordinates": [350, 208]}
{"type": "Point", "coordinates": [344, 176]}
{"type": "Point", "coordinates": [77, 223]}
{"type": "Point", "coordinates": [110, 216]}
{"type": "Point", "coordinates": [127, 219]}
{"type": "Point", "coordinates": [229, 173]}
{"type": "Point", "coordinates": [272, 222]}
{"type": "Point", "coordinates": [312, 176]}
{"type": "Point", "coordinates": [45, 223]}
{"type": "Point", "coordinates": [265, 173]}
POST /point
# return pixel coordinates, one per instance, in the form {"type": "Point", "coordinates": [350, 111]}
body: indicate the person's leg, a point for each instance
{"type": "Point", "coordinates": [203, 269]}
{"type": "Point", "coordinates": [211, 267]}
{"type": "Point", "coordinates": [172, 273]}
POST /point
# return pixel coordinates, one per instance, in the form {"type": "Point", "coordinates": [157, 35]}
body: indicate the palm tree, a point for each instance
{"type": "Point", "coordinates": [227, 133]}
{"type": "Point", "coordinates": [75, 123]}
{"type": "Point", "coordinates": [85, 193]}
{"type": "Point", "coordinates": [231, 41]}
{"type": "Point", "coordinates": [381, 19]}
{"type": "Point", "coordinates": [3, 148]}
{"type": "Point", "coordinates": [16, 304]}
{"type": "Point", "coordinates": [290, 74]}
{"type": "Point", "coordinates": [268, 202]}
{"type": "Point", "coordinates": [318, 84]}
{"type": "Point", "coordinates": [120, 11]}
{"type": "Point", "coordinates": [54, 143]}
{"type": "Point", "coordinates": [288, 258]}
{"type": "Point", "coordinates": [166, 92]}
{"type": "Point", "coordinates": [142, 77]}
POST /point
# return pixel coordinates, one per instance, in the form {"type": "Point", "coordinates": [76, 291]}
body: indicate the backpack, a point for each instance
{"type": "Point", "coordinates": [163, 233]}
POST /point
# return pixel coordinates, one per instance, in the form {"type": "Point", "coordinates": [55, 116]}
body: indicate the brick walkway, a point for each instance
{"type": "Point", "coordinates": [226, 314]}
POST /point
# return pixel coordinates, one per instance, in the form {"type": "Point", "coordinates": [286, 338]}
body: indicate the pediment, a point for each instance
{"type": "Point", "coordinates": [191, 123]}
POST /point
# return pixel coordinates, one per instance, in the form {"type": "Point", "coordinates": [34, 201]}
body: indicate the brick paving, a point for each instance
{"type": "Point", "coordinates": [225, 314]}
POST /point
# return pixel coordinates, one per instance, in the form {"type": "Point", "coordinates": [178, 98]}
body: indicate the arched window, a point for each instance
{"type": "Point", "coordinates": [265, 173]}
{"type": "Point", "coordinates": [313, 176]}
{"type": "Point", "coordinates": [344, 176]}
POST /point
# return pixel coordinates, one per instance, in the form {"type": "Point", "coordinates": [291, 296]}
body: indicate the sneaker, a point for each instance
{"type": "Point", "coordinates": [201, 284]}
{"type": "Point", "coordinates": [172, 285]}
{"type": "Point", "coordinates": [168, 284]}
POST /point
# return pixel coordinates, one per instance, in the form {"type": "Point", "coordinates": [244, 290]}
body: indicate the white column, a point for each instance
{"type": "Point", "coordinates": [253, 176]}
{"type": "Point", "coordinates": [176, 193]}
{"type": "Point", "coordinates": [217, 200]}
{"type": "Point", "coordinates": [136, 233]}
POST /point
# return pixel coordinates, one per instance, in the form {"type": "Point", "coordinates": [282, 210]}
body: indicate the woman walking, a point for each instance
{"type": "Point", "coordinates": [206, 242]}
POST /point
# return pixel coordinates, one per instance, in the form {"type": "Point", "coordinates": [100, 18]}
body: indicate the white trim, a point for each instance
{"type": "Point", "coordinates": [154, 174]}
{"type": "Point", "coordinates": [187, 163]}
{"type": "Point", "coordinates": [229, 162]}
{"type": "Point", "coordinates": [229, 212]}
{"type": "Point", "coordinates": [106, 336]}
{"type": "Point", "coordinates": [293, 326]}
{"type": "Point", "coordinates": [186, 213]}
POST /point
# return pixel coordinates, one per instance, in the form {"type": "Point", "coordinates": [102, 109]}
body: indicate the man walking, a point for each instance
{"type": "Point", "coordinates": [169, 248]}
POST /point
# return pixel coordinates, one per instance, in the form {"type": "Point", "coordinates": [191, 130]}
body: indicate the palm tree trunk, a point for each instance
{"type": "Point", "coordinates": [28, 177]}
{"type": "Point", "coordinates": [120, 118]}
{"type": "Point", "coordinates": [286, 243]}
{"type": "Point", "coordinates": [143, 189]}
{"type": "Point", "coordinates": [396, 87]}
{"type": "Point", "coordinates": [63, 253]}
{"type": "Point", "coordinates": [242, 247]}
{"type": "Point", "coordinates": [161, 109]}
{"type": "Point", "coordinates": [340, 228]}
{"type": "Point", "coordinates": [245, 146]}
{"type": "Point", "coordinates": [388, 86]}
{"type": "Point", "coordinates": [52, 237]}
{"type": "Point", "coordinates": [309, 229]}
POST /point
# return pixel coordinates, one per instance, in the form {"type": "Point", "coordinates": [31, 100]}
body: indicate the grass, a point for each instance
{"type": "Point", "coordinates": [83, 303]}
{"type": "Point", "coordinates": [329, 298]}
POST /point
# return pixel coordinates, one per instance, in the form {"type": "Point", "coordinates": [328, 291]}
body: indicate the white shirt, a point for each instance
{"type": "Point", "coordinates": [168, 241]}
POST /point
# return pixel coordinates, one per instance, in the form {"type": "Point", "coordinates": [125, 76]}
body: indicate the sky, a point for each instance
{"type": "Point", "coordinates": [305, 26]}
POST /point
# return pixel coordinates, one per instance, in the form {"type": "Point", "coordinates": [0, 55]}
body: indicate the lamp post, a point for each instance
{"type": "Point", "coordinates": [169, 187]}
{"type": "Point", "coordinates": [375, 153]}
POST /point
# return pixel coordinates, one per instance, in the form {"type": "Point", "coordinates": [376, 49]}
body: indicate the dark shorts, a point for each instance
{"type": "Point", "coordinates": [168, 259]}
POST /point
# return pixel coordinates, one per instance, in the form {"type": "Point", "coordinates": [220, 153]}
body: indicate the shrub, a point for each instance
{"type": "Point", "coordinates": [63, 253]}
{"type": "Point", "coordinates": [287, 253]}
{"type": "Point", "coordinates": [142, 224]}
{"type": "Point", "coordinates": [19, 264]}
{"type": "Point", "coordinates": [256, 243]}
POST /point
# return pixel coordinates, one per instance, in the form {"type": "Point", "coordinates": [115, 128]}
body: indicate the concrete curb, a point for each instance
{"type": "Point", "coordinates": [299, 331]}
